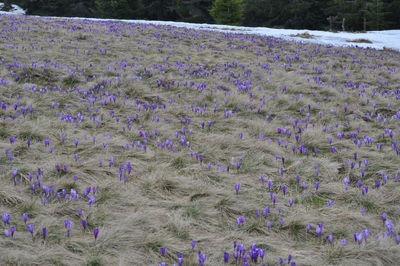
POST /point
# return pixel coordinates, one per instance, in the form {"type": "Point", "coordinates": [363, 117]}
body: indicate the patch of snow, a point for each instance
{"type": "Point", "coordinates": [380, 39]}
{"type": "Point", "coordinates": [15, 10]}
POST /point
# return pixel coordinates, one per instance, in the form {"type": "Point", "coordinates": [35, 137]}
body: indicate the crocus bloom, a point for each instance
{"type": "Point", "coordinates": [383, 216]}
{"type": "Point", "coordinates": [194, 243]}
{"type": "Point", "coordinates": [12, 230]}
{"type": "Point", "coordinates": [25, 217]}
{"type": "Point", "coordinates": [291, 201]}
{"type": "Point", "coordinates": [240, 220]}
{"type": "Point", "coordinates": [162, 251]}
{"type": "Point", "coordinates": [237, 187]}
{"type": "Point", "coordinates": [84, 224]}
{"type": "Point", "coordinates": [6, 218]}
{"type": "Point", "coordinates": [269, 183]}
{"type": "Point", "coordinates": [44, 233]}
{"type": "Point", "coordinates": [308, 228]}
{"type": "Point", "coordinates": [68, 225]}
{"type": "Point", "coordinates": [96, 232]}
{"type": "Point", "coordinates": [284, 189]}
{"type": "Point", "coordinates": [30, 228]}
{"type": "Point", "coordinates": [92, 199]}
{"type": "Point", "coordinates": [318, 230]}
{"type": "Point", "coordinates": [330, 239]}
{"type": "Point", "coordinates": [329, 203]}
{"type": "Point", "coordinates": [269, 225]}
{"type": "Point", "coordinates": [226, 257]}
{"type": "Point", "coordinates": [7, 232]}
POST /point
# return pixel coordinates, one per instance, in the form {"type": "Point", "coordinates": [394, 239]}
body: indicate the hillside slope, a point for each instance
{"type": "Point", "coordinates": [155, 136]}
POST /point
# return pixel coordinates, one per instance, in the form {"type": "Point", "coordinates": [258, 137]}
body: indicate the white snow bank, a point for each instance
{"type": "Point", "coordinates": [379, 39]}
{"type": "Point", "coordinates": [15, 10]}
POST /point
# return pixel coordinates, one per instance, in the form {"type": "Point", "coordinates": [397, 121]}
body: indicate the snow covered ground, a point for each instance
{"type": "Point", "coordinates": [16, 10]}
{"type": "Point", "coordinates": [379, 39]}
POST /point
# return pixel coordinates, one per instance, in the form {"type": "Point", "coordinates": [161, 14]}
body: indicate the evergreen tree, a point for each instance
{"type": "Point", "coordinates": [392, 17]}
{"type": "Point", "coordinates": [125, 9]}
{"type": "Point", "coordinates": [229, 12]}
{"type": "Point", "coordinates": [196, 11]}
{"type": "Point", "coordinates": [160, 10]}
{"type": "Point", "coordinates": [6, 5]}
{"type": "Point", "coordinates": [375, 14]}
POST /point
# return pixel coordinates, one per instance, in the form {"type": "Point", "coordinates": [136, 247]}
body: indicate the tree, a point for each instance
{"type": "Point", "coordinates": [375, 14]}
{"type": "Point", "coordinates": [392, 14]}
{"type": "Point", "coordinates": [196, 11]}
{"type": "Point", "coordinates": [125, 9]}
{"type": "Point", "coordinates": [6, 5]}
{"type": "Point", "coordinates": [229, 12]}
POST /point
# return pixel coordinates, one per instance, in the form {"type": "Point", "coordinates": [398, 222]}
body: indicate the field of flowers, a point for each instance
{"type": "Point", "coordinates": [139, 144]}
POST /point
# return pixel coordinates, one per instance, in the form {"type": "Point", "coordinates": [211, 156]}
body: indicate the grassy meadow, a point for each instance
{"type": "Point", "coordinates": [199, 142]}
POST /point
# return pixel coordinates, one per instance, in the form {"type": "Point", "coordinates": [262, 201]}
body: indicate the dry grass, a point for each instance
{"type": "Point", "coordinates": [360, 41]}
{"type": "Point", "coordinates": [76, 68]}
{"type": "Point", "coordinates": [305, 35]}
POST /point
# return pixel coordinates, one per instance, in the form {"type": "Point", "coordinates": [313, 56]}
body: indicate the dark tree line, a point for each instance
{"type": "Point", "coordinates": [351, 15]}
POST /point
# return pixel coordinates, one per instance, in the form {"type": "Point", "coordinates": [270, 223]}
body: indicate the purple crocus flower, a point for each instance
{"type": "Point", "coordinates": [329, 203]}
{"type": "Point", "coordinates": [84, 224]}
{"type": "Point", "coordinates": [226, 257]}
{"type": "Point", "coordinates": [383, 216]}
{"type": "Point", "coordinates": [240, 220]}
{"type": "Point", "coordinates": [398, 239]}
{"type": "Point", "coordinates": [68, 224]}
{"type": "Point", "coordinates": [318, 231]}
{"type": "Point", "coordinates": [237, 187]}
{"type": "Point", "coordinates": [92, 200]}
{"type": "Point", "coordinates": [308, 228]}
{"type": "Point", "coordinates": [162, 251]}
{"type": "Point", "coordinates": [30, 228]}
{"type": "Point", "coordinates": [7, 232]}
{"type": "Point", "coordinates": [269, 183]}
{"type": "Point", "coordinates": [44, 233]}
{"type": "Point", "coordinates": [330, 239]}
{"type": "Point", "coordinates": [25, 217]}
{"type": "Point", "coordinates": [6, 218]}
{"type": "Point", "coordinates": [291, 201]}
{"type": "Point", "coordinates": [284, 189]}
{"type": "Point", "coordinates": [194, 243]}
{"type": "Point", "coordinates": [12, 230]}
{"type": "Point", "coordinates": [96, 233]}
